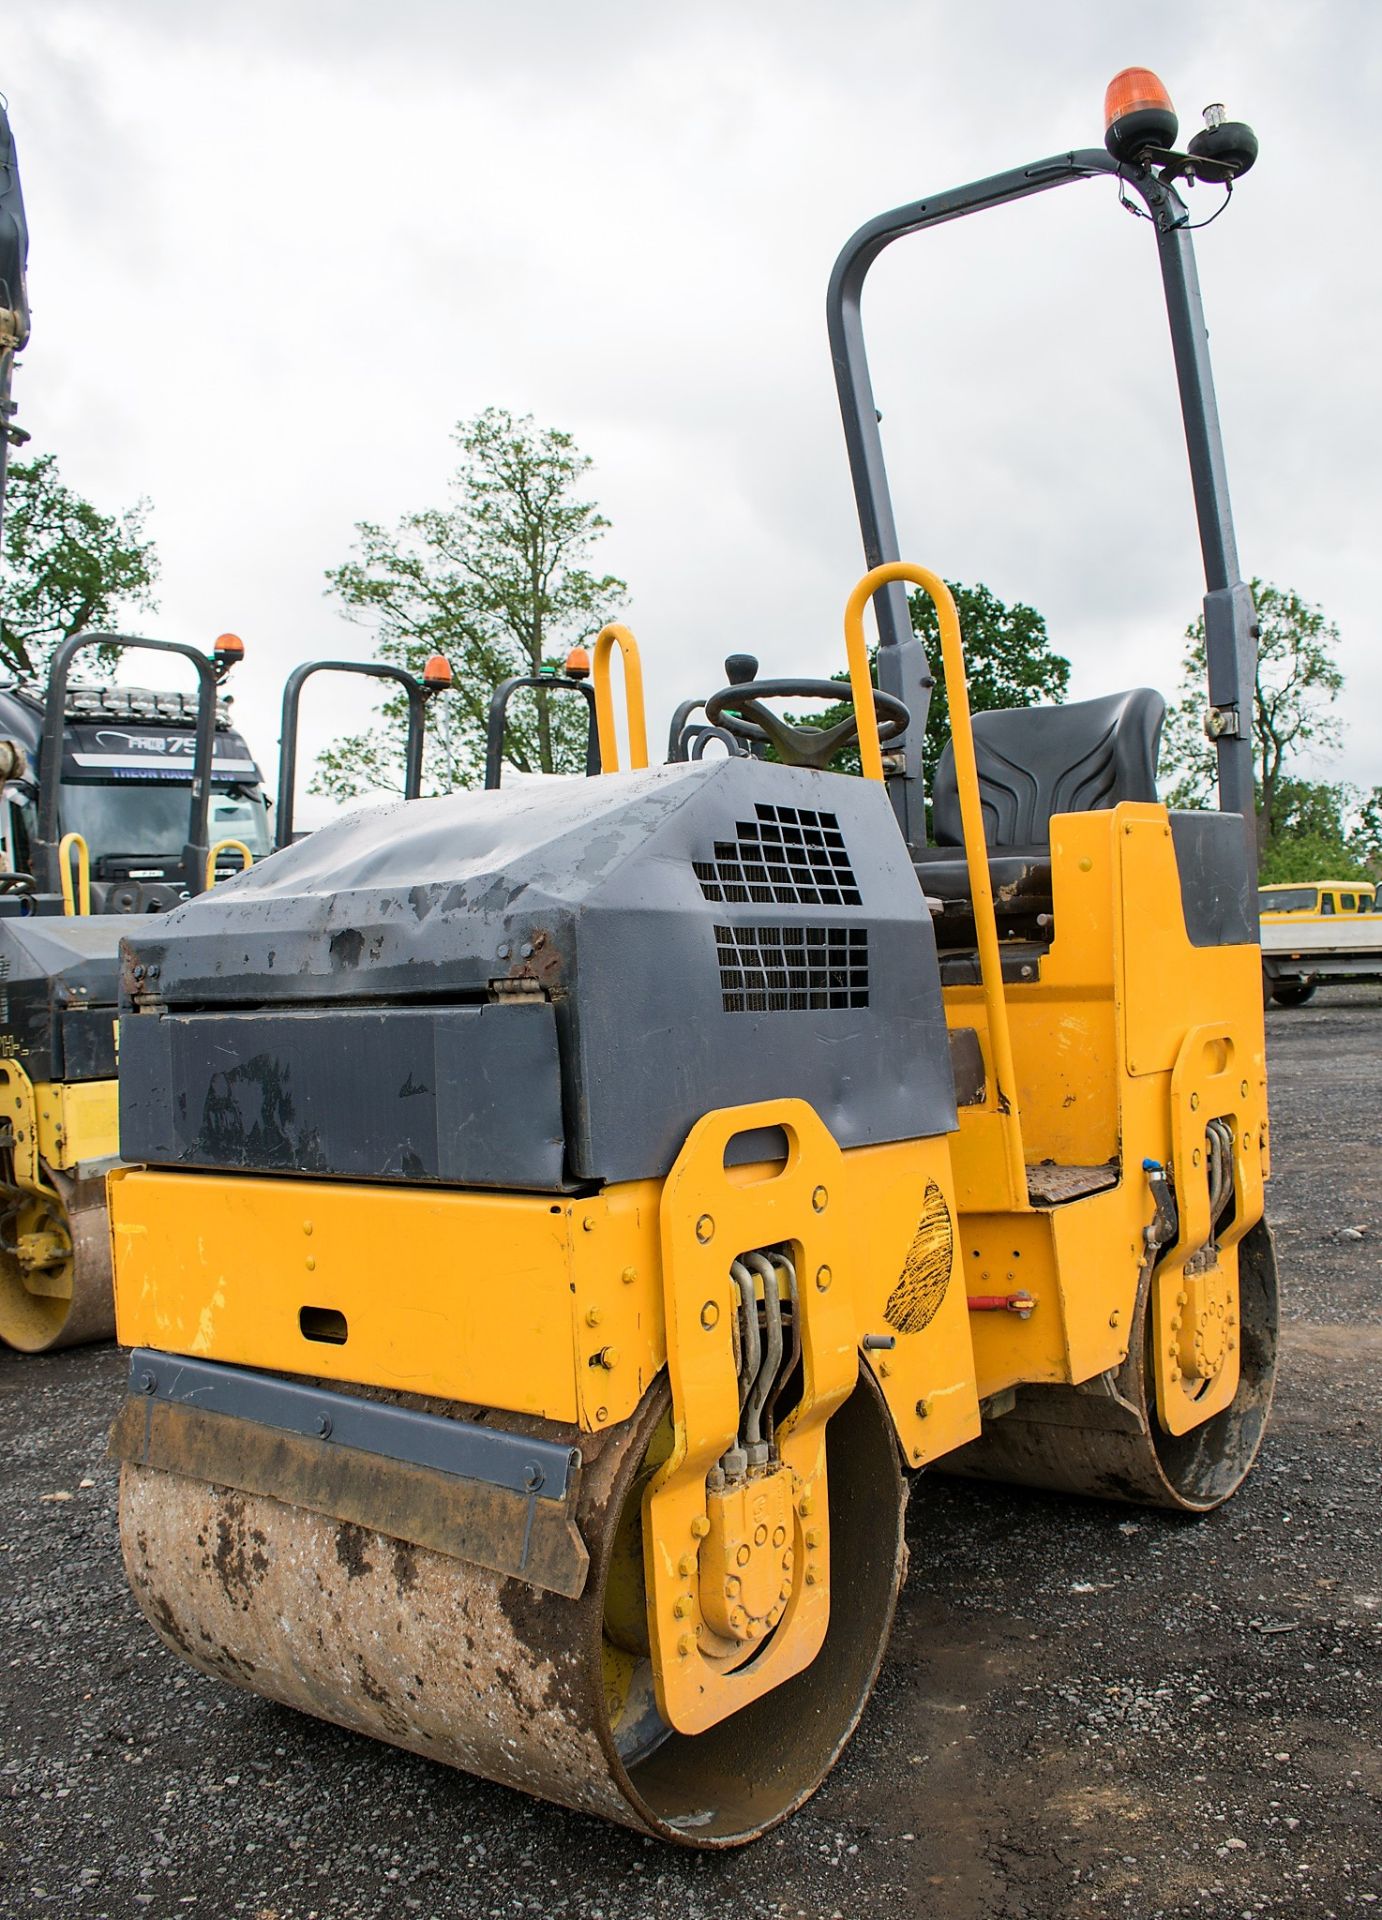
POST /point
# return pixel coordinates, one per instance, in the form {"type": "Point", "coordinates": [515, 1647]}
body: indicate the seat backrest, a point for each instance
{"type": "Point", "coordinates": [1036, 761]}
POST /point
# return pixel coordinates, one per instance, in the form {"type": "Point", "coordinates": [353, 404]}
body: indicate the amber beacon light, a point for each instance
{"type": "Point", "coordinates": [1138, 114]}
{"type": "Point", "coordinates": [228, 652]}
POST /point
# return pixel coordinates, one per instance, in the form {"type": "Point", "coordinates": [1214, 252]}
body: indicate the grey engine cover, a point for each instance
{"type": "Point", "coordinates": [645, 948]}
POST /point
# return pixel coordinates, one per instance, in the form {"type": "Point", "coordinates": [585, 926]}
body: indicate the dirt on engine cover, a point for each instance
{"type": "Point", "coordinates": [1083, 1708]}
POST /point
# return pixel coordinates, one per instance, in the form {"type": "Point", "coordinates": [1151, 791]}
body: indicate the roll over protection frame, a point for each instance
{"type": "Point", "coordinates": [1229, 617]}
{"type": "Point", "coordinates": [497, 720]}
{"type": "Point", "coordinates": [418, 697]}
{"type": "Point", "coordinates": [47, 865]}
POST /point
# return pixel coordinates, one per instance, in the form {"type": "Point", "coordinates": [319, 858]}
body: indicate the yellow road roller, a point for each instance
{"type": "Point", "coordinates": [569, 1213]}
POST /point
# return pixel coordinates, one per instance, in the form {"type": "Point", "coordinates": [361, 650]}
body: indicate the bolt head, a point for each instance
{"type": "Point", "coordinates": [812, 1577]}
{"type": "Point", "coordinates": [700, 1526]}
{"type": "Point", "coordinates": [823, 1279]}
{"type": "Point", "coordinates": [820, 1199]}
{"type": "Point", "coordinates": [742, 1557]}
{"type": "Point", "coordinates": [705, 1229]}
{"type": "Point", "coordinates": [710, 1315]}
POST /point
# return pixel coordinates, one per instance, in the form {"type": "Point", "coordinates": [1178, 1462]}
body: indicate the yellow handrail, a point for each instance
{"type": "Point", "coordinates": [226, 846]}
{"type": "Point", "coordinates": [75, 900]}
{"type": "Point", "coordinates": [606, 641]}
{"type": "Point", "coordinates": [971, 819]}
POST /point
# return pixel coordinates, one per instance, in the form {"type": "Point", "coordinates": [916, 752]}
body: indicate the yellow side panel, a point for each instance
{"type": "Point", "coordinates": [527, 1303]}
{"type": "Point", "coordinates": [1169, 986]}
{"type": "Point", "coordinates": [536, 1304]}
{"type": "Point", "coordinates": [77, 1121]}
{"type": "Point", "coordinates": [910, 1284]}
{"type": "Point", "coordinates": [1007, 1253]}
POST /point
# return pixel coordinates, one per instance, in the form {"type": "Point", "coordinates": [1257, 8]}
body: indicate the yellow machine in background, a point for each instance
{"type": "Point", "coordinates": [565, 1212]}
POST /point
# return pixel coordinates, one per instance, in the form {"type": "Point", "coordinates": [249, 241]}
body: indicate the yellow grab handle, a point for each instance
{"type": "Point", "coordinates": [971, 819]}
{"type": "Point", "coordinates": [226, 846]}
{"type": "Point", "coordinates": [75, 901]}
{"type": "Point", "coordinates": [606, 641]}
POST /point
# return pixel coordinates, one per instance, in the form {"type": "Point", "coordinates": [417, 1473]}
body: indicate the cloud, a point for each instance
{"type": "Point", "coordinates": [277, 250]}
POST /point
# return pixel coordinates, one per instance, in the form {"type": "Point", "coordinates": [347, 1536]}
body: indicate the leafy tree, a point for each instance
{"type": "Point", "coordinates": [1321, 833]}
{"type": "Point", "coordinates": [1298, 682]}
{"type": "Point", "coordinates": [1009, 662]}
{"type": "Point", "coordinates": [500, 582]}
{"type": "Point", "coordinates": [66, 567]}
{"type": "Point", "coordinates": [1366, 838]}
{"type": "Point", "coordinates": [1009, 659]}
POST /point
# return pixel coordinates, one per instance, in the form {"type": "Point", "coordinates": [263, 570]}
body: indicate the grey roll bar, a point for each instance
{"type": "Point", "coordinates": [1229, 617]}
{"type": "Point", "coordinates": [45, 848]}
{"type": "Point", "coordinates": [418, 697]}
{"type": "Point", "coordinates": [497, 720]}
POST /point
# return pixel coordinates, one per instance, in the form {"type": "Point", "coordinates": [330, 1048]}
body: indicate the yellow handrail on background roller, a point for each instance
{"type": "Point", "coordinates": [76, 900]}
{"type": "Point", "coordinates": [971, 819]}
{"type": "Point", "coordinates": [606, 641]}
{"type": "Point", "coordinates": [226, 846]}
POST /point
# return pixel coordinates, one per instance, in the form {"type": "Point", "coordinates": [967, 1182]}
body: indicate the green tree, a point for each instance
{"type": "Point", "coordinates": [1009, 662]}
{"type": "Point", "coordinates": [1366, 837]}
{"type": "Point", "coordinates": [67, 568]}
{"type": "Point", "coordinates": [1321, 833]}
{"type": "Point", "coordinates": [1009, 659]}
{"type": "Point", "coordinates": [500, 581]}
{"type": "Point", "coordinates": [1298, 681]}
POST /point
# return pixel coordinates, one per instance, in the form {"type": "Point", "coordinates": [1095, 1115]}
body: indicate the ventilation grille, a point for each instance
{"type": "Point", "coordinates": [793, 969]}
{"type": "Point", "coordinates": [790, 856]}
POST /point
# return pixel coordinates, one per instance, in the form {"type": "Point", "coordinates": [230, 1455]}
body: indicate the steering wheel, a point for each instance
{"type": "Point", "coordinates": [738, 709]}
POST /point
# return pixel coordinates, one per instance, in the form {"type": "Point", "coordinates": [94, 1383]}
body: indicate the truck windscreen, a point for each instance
{"type": "Point", "coordinates": [131, 819]}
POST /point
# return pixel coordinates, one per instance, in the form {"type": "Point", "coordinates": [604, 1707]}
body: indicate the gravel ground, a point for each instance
{"type": "Point", "coordinates": [1084, 1709]}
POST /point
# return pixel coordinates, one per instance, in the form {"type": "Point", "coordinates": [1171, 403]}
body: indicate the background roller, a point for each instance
{"type": "Point", "coordinates": [68, 1302]}
{"type": "Point", "coordinates": [483, 1672]}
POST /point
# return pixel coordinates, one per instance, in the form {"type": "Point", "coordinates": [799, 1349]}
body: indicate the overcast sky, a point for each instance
{"type": "Point", "coordinates": [277, 250]}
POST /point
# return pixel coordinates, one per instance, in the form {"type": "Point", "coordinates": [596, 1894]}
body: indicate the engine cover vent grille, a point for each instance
{"type": "Point", "coordinates": [789, 856]}
{"type": "Point", "coordinates": [793, 969]}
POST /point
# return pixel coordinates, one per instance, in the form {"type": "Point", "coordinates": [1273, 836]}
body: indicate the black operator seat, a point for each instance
{"type": "Point", "coordinates": [1035, 762]}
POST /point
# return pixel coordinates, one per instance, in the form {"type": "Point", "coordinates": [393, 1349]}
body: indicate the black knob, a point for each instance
{"type": "Point", "coordinates": [740, 669]}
